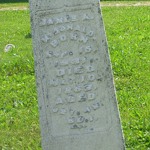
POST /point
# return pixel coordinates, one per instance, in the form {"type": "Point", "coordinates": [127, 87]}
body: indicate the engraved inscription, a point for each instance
{"type": "Point", "coordinates": [72, 61]}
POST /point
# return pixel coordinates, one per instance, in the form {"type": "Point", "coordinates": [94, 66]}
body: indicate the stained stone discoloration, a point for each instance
{"type": "Point", "coordinates": [74, 77]}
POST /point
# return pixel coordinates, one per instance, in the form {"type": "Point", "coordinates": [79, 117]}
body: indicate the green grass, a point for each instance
{"type": "Point", "coordinates": [19, 126]}
{"type": "Point", "coordinates": [123, 2]}
{"type": "Point", "coordinates": [13, 1]}
{"type": "Point", "coordinates": [128, 35]}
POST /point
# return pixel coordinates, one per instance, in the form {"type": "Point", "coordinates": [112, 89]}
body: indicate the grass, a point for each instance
{"type": "Point", "coordinates": [13, 1]}
{"type": "Point", "coordinates": [128, 35]}
{"type": "Point", "coordinates": [19, 126]}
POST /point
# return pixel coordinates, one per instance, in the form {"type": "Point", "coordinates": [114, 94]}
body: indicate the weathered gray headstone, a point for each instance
{"type": "Point", "coordinates": [77, 102]}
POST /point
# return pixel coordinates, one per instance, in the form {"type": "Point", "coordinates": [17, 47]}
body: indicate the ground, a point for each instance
{"type": "Point", "coordinates": [24, 6]}
{"type": "Point", "coordinates": [128, 34]}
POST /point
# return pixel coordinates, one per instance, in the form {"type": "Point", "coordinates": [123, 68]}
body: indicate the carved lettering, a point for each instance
{"type": "Point", "coordinates": [87, 17]}
{"type": "Point", "coordinates": [63, 38]}
{"type": "Point", "coordinates": [54, 43]}
{"type": "Point", "coordinates": [60, 72]}
{"type": "Point", "coordinates": [59, 101]}
{"type": "Point", "coordinates": [74, 36]}
{"type": "Point", "coordinates": [71, 58]}
{"type": "Point", "coordinates": [79, 70]}
{"type": "Point", "coordinates": [83, 39]}
{"type": "Point", "coordinates": [63, 111]}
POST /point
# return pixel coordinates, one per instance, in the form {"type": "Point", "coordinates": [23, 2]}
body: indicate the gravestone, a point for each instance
{"type": "Point", "coordinates": [77, 102]}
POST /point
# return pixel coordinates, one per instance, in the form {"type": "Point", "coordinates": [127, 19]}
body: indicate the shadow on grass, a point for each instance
{"type": "Point", "coordinates": [13, 1]}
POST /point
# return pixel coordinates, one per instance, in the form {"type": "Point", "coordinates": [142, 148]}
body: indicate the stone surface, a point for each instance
{"type": "Point", "coordinates": [77, 102]}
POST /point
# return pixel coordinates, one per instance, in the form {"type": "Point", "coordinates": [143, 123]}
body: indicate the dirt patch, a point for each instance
{"type": "Point", "coordinates": [14, 8]}
{"type": "Point", "coordinates": [125, 4]}
{"type": "Point", "coordinates": [103, 4]}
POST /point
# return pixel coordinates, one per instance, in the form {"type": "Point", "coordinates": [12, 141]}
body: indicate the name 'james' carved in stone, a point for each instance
{"type": "Point", "coordinates": [77, 102]}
